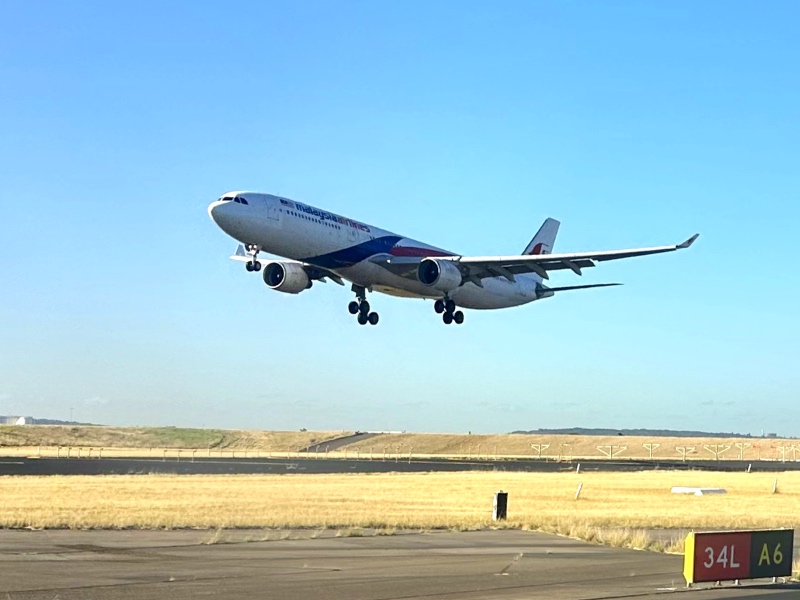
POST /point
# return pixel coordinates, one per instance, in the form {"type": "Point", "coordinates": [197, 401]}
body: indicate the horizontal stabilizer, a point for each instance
{"type": "Point", "coordinates": [579, 287]}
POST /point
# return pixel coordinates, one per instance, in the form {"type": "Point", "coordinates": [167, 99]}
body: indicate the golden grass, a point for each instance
{"type": "Point", "coordinates": [402, 501]}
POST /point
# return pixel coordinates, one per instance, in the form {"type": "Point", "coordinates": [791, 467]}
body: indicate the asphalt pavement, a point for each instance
{"type": "Point", "coordinates": [486, 565]}
{"type": "Point", "coordinates": [309, 464]}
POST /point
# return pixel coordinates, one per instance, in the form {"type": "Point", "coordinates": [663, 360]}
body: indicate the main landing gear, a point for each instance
{"type": "Point", "coordinates": [447, 308]}
{"type": "Point", "coordinates": [253, 264]}
{"type": "Point", "coordinates": [361, 308]}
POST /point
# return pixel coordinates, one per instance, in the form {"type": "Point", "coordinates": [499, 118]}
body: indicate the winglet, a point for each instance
{"type": "Point", "coordinates": [688, 242]}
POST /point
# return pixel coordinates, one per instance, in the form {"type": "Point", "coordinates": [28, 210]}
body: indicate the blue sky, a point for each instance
{"type": "Point", "coordinates": [458, 123]}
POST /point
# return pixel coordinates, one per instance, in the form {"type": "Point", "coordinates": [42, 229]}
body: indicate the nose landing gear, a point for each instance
{"type": "Point", "coordinates": [361, 308]}
{"type": "Point", "coordinates": [253, 264]}
{"type": "Point", "coordinates": [447, 308]}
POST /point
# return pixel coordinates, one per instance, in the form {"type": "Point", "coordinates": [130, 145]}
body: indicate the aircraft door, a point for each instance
{"type": "Point", "coordinates": [273, 214]}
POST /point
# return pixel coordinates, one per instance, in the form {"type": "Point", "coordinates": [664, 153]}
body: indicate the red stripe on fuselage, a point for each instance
{"type": "Point", "coordinates": [417, 252]}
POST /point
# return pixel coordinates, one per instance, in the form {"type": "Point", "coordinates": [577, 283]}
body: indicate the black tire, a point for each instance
{"type": "Point", "coordinates": [256, 266]}
{"type": "Point", "coordinates": [447, 318]}
{"type": "Point", "coordinates": [458, 317]}
{"type": "Point", "coordinates": [362, 319]}
{"type": "Point", "coordinates": [450, 305]}
{"type": "Point", "coordinates": [353, 307]}
{"type": "Point", "coordinates": [364, 308]}
{"type": "Point", "coordinates": [438, 306]}
{"type": "Point", "coordinates": [248, 265]}
{"type": "Point", "coordinates": [373, 318]}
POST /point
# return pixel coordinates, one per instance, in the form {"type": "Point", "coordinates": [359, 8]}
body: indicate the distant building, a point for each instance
{"type": "Point", "coordinates": [8, 420]}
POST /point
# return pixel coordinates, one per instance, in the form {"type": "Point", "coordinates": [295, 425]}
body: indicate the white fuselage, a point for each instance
{"type": "Point", "coordinates": [300, 232]}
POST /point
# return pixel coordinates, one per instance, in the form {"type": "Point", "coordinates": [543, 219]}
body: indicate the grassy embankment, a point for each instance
{"type": "Point", "coordinates": [149, 441]}
{"type": "Point", "coordinates": [567, 447]}
{"type": "Point", "coordinates": [44, 440]}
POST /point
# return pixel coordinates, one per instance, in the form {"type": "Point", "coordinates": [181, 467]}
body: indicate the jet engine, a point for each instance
{"type": "Point", "coordinates": [442, 275]}
{"type": "Point", "coordinates": [287, 277]}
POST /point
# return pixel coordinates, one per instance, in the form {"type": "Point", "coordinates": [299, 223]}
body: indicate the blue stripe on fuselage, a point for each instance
{"type": "Point", "coordinates": [347, 257]}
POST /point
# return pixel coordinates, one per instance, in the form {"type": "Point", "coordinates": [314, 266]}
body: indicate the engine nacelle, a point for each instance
{"type": "Point", "coordinates": [287, 277]}
{"type": "Point", "coordinates": [442, 275]}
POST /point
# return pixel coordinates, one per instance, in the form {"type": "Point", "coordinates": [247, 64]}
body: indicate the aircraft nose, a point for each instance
{"type": "Point", "coordinates": [216, 210]}
{"type": "Point", "coordinates": [224, 213]}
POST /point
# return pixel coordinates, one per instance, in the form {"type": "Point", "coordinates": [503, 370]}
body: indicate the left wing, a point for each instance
{"type": "Point", "coordinates": [475, 268]}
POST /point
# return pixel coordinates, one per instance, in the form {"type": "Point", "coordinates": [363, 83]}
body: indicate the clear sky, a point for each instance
{"type": "Point", "coordinates": [463, 124]}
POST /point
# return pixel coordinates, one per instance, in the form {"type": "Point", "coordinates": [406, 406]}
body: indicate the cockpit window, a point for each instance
{"type": "Point", "coordinates": [235, 199]}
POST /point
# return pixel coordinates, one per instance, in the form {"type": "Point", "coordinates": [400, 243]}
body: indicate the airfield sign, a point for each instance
{"type": "Point", "coordinates": [735, 555]}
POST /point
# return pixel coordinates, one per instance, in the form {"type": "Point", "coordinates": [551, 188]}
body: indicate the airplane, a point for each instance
{"type": "Point", "coordinates": [319, 245]}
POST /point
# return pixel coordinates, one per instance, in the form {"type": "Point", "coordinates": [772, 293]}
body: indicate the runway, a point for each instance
{"type": "Point", "coordinates": [211, 466]}
{"type": "Point", "coordinates": [486, 565]}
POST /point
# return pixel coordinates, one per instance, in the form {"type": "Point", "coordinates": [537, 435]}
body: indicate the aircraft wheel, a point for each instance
{"type": "Point", "coordinates": [458, 317]}
{"type": "Point", "coordinates": [449, 305]}
{"type": "Point", "coordinates": [353, 307]}
{"type": "Point", "coordinates": [248, 265]}
{"type": "Point", "coordinates": [256, 266]}
{"type": "Point", "coordinates": [373, 318]}
{"type": "Point", "coordinates": [362, 319]}
{"type": "Point", "coordinates": [364, 307]}
{"type": "Point", "coordinates": [447, 318]}
{"type": "Point", "coordinates": [438, 306]}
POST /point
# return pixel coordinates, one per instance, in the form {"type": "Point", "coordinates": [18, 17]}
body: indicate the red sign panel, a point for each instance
{"type": "Point", "coordinates": [722, 556]}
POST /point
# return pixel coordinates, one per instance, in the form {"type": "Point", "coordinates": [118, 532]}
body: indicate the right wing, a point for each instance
{"type": "Point", "coordinates": [476, 268]}
{"type": "Point", "coordinates": [507, 266]}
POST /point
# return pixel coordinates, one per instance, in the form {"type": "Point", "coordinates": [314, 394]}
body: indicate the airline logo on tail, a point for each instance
{"type": "Point", "coordinates": [545, 238]}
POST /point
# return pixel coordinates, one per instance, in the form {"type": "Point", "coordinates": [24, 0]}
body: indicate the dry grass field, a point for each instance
{"type": "Point", "coordinates": [427, 501]}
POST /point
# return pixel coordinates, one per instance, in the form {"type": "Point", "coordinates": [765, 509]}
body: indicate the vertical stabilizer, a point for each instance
{"type": "Point", "coordinates": [545, 238]}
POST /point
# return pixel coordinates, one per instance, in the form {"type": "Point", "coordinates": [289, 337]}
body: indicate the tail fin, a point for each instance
{"type": "Point", "coordinates": [545, 238]}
